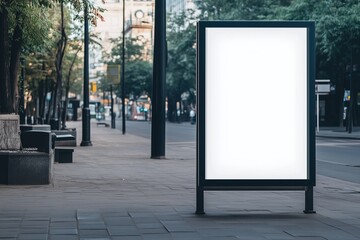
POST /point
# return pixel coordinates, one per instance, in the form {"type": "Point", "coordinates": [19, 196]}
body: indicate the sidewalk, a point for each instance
{"type": "Point", "coordinates": [113, 190]}
{"type": "Point", "coordinates": [338, 132]}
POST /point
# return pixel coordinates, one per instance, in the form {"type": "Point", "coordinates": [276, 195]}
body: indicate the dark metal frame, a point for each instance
{"type": "Point", "coordinates": [202, 184]}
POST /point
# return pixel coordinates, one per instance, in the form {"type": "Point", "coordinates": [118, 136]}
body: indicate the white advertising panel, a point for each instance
{"type": "Point", "coordinates": [256, 103]}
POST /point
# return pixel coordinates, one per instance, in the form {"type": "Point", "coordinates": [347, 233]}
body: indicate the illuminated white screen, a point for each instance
{"type": "Point", "coordinates": [256, 103]}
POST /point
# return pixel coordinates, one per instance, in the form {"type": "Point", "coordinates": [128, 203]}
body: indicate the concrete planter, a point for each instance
{"type": "Point", "coordinates": [9, 132]}
{"type": "Point", "coordinates": [25, 167]}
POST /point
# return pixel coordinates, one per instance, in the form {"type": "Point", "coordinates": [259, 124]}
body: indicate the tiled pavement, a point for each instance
{"type": "Point", "coordinates": [114, 190]}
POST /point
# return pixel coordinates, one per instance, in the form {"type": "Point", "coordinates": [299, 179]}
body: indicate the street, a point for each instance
{"type": "Point", "coordinates": [175, 132]}
{"type": "Point", "coordinates": [337, 158]}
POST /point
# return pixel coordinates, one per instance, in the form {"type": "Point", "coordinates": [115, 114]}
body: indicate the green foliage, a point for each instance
{"type": "Point", "coordinates": [138, 71]}
{"type": "Point", "coordinates": [181, 54]}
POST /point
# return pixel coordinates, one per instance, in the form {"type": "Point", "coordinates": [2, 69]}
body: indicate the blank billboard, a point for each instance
{"type": "Point", "coordinates": [256, 103]}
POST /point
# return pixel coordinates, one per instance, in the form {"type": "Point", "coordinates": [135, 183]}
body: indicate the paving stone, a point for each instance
{"type": "Point", "coordinates": [31, 230]}
{"type": "Point", "coordinates": [63, 237]}
{"type": "Point", "coordinates": [63, 231]}
{"type": "Point", "coordinates": [156, 236]}
{"type": "Point", "coordinates": [177, 226]}
{"type": "Point", "coordinates": [9, 233]}
{"type": "Point", "coordinates": [93, 233]}
{"type": "Point", "coordinates": [127, 238]}
{"type": "Point", "coordinates": [63, 225]}
{"type": "Point", "coordinates": [161, 230]}
{"type": "Point", "coordinates": [123, 231]}
{"type": "Point", "coordinates": [149, 225]}
{"type": "Point", "coordinates": [33, 236]}
{"type": "Point", "coordinates": [94, 226]}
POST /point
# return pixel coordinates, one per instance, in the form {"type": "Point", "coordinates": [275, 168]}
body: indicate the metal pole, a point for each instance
{"type": "Point", "coordinates": [159, 64]}
{"type": "Point", "coordinates": [112, 108]}
{"type": "Point", "coordinates": [21, 92]}
{"type": "Point", "coordinates": [123, 73]}
{"type": "Point", "coordinates": [86, 111]}
{"type": "Point", "coordinates": [350, 120]}
{"type": "Point", "coordinates": [199, 201]}
{"type": "Point", "coordinates": [317, 112]}
{"type": "Point", "coordinates": [309, 200]}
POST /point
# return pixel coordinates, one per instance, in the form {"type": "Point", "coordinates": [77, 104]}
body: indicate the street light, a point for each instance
{"type": "Point", "coordinates": [158, 102]}
{"type": "Point", "coordinates": [86, 110]}
{"type": "Point", "coordinates": [123, 72]}
{"type": "Point", "coordinates": [21, 92]}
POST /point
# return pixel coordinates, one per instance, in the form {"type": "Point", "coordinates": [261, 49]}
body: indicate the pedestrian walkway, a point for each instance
{"type": "Point", "coordinates": [339, 132]}
{"type": "Point", "coordinates": [113, 190]}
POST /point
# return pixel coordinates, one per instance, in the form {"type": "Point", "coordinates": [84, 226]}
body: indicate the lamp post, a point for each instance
{"type": "Point", "coordinates": [158, 102]}
{"type": "Point", "coordinates": [123, 72]}
{"type": "Point", "coordinates": [86, 111]}
{"type": "Point", "coordinates": [21, 92]}
{"type": "Point", "coordinates": [112, 107]}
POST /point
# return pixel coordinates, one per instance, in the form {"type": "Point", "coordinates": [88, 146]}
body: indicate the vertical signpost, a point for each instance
{"type": "Point", "coordinates": [322, 87]}
{"type": "Point", "coordinates": [256, 128]}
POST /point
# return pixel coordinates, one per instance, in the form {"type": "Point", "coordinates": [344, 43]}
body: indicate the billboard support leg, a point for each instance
{"type": "Point", "coordinates": [309, 200]}
{"type": "Point", "coordinates": [200, 201]}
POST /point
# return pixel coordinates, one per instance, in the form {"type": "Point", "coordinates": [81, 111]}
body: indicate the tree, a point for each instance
{"type": "Point", "coordinates": [19, 26]}
{"type": "Point", "coordinates": [337, 36]}
{"type": "Point", "coordinates": [337, 46]}
{"type": "Point", "coordinates": [16, 19]}
{"type": "Point", "coordinates": [181, 36]}
{"type": "Point", "coordinates": [138, 71]}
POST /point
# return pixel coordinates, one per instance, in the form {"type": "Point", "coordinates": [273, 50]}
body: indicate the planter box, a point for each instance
{"type": "Point", "coordinates": [25, 167]}
{"type": "Point", "coordinates": [9, 132]}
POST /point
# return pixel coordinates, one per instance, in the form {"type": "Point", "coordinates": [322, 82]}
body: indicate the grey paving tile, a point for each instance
{"type": "Point", "coordinates": [33, 236]}
{"type": "Point", "coordinates": [9, 233]}
{"type": "Point", "coordinates": [127, 238]}
{"type": "Point", "coordinates": [161, 230]}
{"type": "Point", "coordinates": [63, 225]}
{"type": "Point", "coordinates": [309, 238]}
{"type": "Point", "coordinates": [35, 224]}
{"type": "Point", "coordinates": [278, 236]}
{"type": "Point", "coordinates": [145, 219]}
{"type": "Point", "coordinates": [186, 235]}
{"type": "Point", "coordinates": [156, 236]}
{"type": "Point", "coordinates": [63, 237]}
{"type": "Point", "coordinates": [10, 219]}
{"type": "Point", "coordinates": [7, 225]}
{"type": "Point", "coordinates": [63, 219]}
{"type": "Point", "coordinates": [123, 231]}
{"type": "Point", "coordinates": [120, 222]}
{"type": "Point", "coordinates": [31, 230]}
{"type": "Point", "coordinates": [63, 231]}
{"type": "Point", "coordinates": [149, 225]}
{"type": "Point", "coordinates": [96, 226]}
{"type": "Point", "coordinates": [95, 239]}
{"type": "Point", "coordinates": [93, 233]}
{"type": "Point", "coordinates": [177, 226]}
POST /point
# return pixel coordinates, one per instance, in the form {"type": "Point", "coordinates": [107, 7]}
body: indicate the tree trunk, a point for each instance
{"type": "Point", "coordinates": [4, 69]}
{"type": "Point", "coordinates": [59, 60]}
{"type": "Point", "coordinates": [67, 89]}
{"type": "Point", "coordinates": [14, 68]}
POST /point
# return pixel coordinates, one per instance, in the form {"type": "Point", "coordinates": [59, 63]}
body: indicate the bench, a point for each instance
{"type": "Point", "coordinates": [64, 155]}
{"type": "Point", "coordinates": [64, 137]}
{"type": "Point", "coordinates": [103, 123]}
{"type": "Point", "coordinates": [43, 141]}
